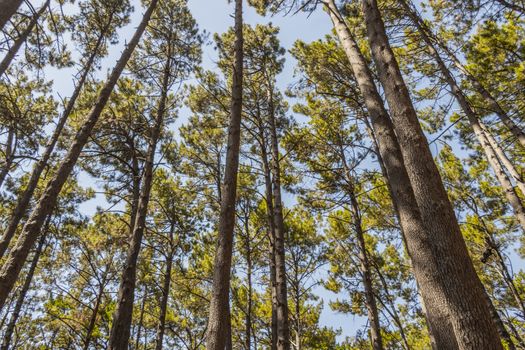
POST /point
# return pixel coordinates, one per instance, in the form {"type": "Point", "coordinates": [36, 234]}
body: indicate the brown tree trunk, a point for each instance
{"type": "Point", "coordinates": [249, 302]}
{"type": "Point", "coordinates": [120, 330]}
{"type": "Point", "coordinates": [7, 9]}
{"type": "Point", "coordinates": [12, 266]}
{"type": "Point", "coordinates": [10, 329]}
{"type": "Point", "coordinates": [420, 245]}
{"type": "Point", "coordinates": [94, 314]}
{"type": "Point", "coordinates": [489, 99]}
{"type": "Point", "coordinates": [283, 327]}
{"type": "Point", "coordinates": [13, 50]}
{"type": "Point", "coordinates": [220, 299]}
{"type": "Point", "coordinates": [9, 154]}
{"type": "Point", "coordinates": [454, 279]}
{"type": "Point", "coordinates": [25, 197]}
{"type": "Point", "coordinates": [164, 300]}
{"type": "Point", "coordinates": [491, 149]}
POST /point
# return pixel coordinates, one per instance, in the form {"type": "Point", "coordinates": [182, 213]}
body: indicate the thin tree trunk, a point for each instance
{"type": "Point", "coordinates": [456, 281]}
{"type": "Point", "coordinates": [94, 314]}
{"type": "Point", "coordinates": [164, 300]}
{"type": "Point", "coordinates": [220, 299]}
{"type": "Point", "coordinates": [141, 318]}
{"type": "Point", "coordinates": [10, 329]}
{"type": "Point", "coordinates": [489, 99]}
{"type": "Point", "coordinates": [12, 266]}
{"type": "Point", "coordinates": [9, 155]}
{"type": "Point", "coordinates": [24, 199]}
{"type": "Point", "coordinates": [249, 302]}
{"type": "Point", "coordinates": [283, 327]}
{"type": "Point", "coordinates": [491, 149]}
{"type": "Point", "coordinates": [422, 248]}
{"type": "Point", "coordinates": [13, 50]}
{"type": "Point", "coordinates": [120, 330]}
{"type": "Point", "coordinates": [7, 9]}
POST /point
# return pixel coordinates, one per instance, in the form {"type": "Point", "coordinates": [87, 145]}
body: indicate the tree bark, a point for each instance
{"type": "Point", "coordinates": [454, 279]}
{"type": "Point", "coordinates": [283, 326]}
{"type": "Point", "coordinates": [164, 300]}
{"type": "Point", "coordinates": [9, 154]}
{"type": "Point", "coordinates": [10, 329]}
{"type": "Point", "coordinates": [25, 197]}
{"type": "Point", "coordinates": [120, 330]}
{"type": "Point", "coordinates": [220, 299]}
{"type": "Point", "coordinates": [7, 9]}
{"type": "Point", "coordinates": [488, 145]}
{"type": "Point", "coordinates": [420, 245]}
{"type": "Point", "coordinates": [94, 314]}
{"type": "Point", "coordinates": [12, 266]}
{"type": "Point", "coordinates": [13, 50]}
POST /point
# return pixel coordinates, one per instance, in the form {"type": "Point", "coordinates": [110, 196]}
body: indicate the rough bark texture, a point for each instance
{"type": "Point", "coordinates": [13, 50]}
{"type": "Point", "coordinates": [493, 152]}
{"type": "Point", "coordinates": [121, 327]}
{"type": "Point", "coordinates": [25, 197]}
{"type": "Point", "coordinates": [12, 266]}
{"type": "Point", "coordinates": [10, 328]}
{"type": "Point", "coordinates": [452, 276]}
{"type": "Point", "coordinates": [220, 299]}
{"type": "Point", "coordinates": [283, 326]}
{"type": "Point", "coordinates": [7, 9]}
{"type": "Point", "coordinates": [420, 244]}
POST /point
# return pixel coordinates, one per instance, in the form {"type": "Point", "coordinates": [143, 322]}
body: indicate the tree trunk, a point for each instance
{"type": "Point", "coordinates": [10, 329]}
{"type": "Point", "coordinates": [141, 318]}
{"type": "Point", "coordinates": [94, 314]}
{"type": "Point", "coordinates": [15, 260]}
{"type": "Point", "coordinates": [13, 50]}
{"type": "Point", "coordinates": [420, 245]}
{"type": "Point", "coordinates": [120, 330]}
{"type": "Point", "coordinates": [7, 9]}
{"type": "Point", "coordinates": [220, 299]}
{"type": "Point", "coordinates": [505, 336]}
{"type": "Point", "coordinates": [489, 99]}
{"type": "Point", "coordinates": [283, 327]}
{"type": "Point", "coordinates": [249, 302]}
{"type": "Point", "coordinates": [9, 154]}
{"type": "Point", "coordinates": [491, 149]}
{"type": "Point", "coordinates": [454, 279]}
{"type": "Point", "coordinates": [25, 197]}
{"type": "Point", "coordinates": [164, 302]}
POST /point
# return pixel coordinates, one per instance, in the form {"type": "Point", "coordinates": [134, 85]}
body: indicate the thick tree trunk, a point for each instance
{"type": "Point", "coordinates": [15, 260]}
{"type": "Point", "coordinates": [220, 300]}
{"type": "Point", "coordinates": [454, 279]}
{"type": "Point", "coordinates": [10, 329]}
{"type": "Point", "coordinates": [7, 9]}
{"type": "Point", "coordinates": [25, 197]}
{"type": "Point", "coordinates": [489, 146]}
{"type": "Point", "coordinates": [13, 50]}
{"type": "Point", "coordinates": [164, 302]}
{"type": "Point", "coordinates": [120, 330]}
{"type": "Point", "coordinates": [504, 334]}
{"type": "Point", "coordinates": [489, 99]}
{"type": "Point", "coordinates": [420, 245]}
{"type": "Point", "coordinates": [283, 327]}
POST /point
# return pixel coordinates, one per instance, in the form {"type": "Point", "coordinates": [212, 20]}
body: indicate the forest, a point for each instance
{"type": "Point", "coordinates": [319, 175]}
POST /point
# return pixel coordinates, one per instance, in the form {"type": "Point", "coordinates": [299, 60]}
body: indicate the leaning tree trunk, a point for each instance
{"type": "Point", "coordinates": [120, 330]}
{"type": "Point", "coordinates": [12, 266]}
{"type": "Point", "coordinates": [94, 314]}
{"type": "Point", "coordinates": [220, 300]}
{"type": "Point", "coordinates": [24, 199]}
{"type": "Point", "coordinates": [7, 9]}
{"type": "Point", "coordinates": [283, 326]}
{"type": "Point", "coordinates": [13, 50]}
{"type": "Point", "coordinates": [487, 96]}
{"type": "Point", "coordinates": [10, 329]}
{"type": "Point", "coordinates": [364, 266]}
{"type": "Point", "coordinates": [422, 248]}
{"type": "Point", "coordinates": [489, 146]}
{"type": "Point", "coordinates": [454, 279]}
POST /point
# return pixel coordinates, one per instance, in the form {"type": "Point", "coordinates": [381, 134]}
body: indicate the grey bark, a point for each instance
{"type": "Point", "coordinates": [454, 279]}
{"type": "Point", "coordinates": [12, 266]}
{"type": "Point", "coordinates": [216, 338]}
{"type": "Point", "coordinates": [7, 9]}
{"type": "Point", "coordinates": [420, 245]}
